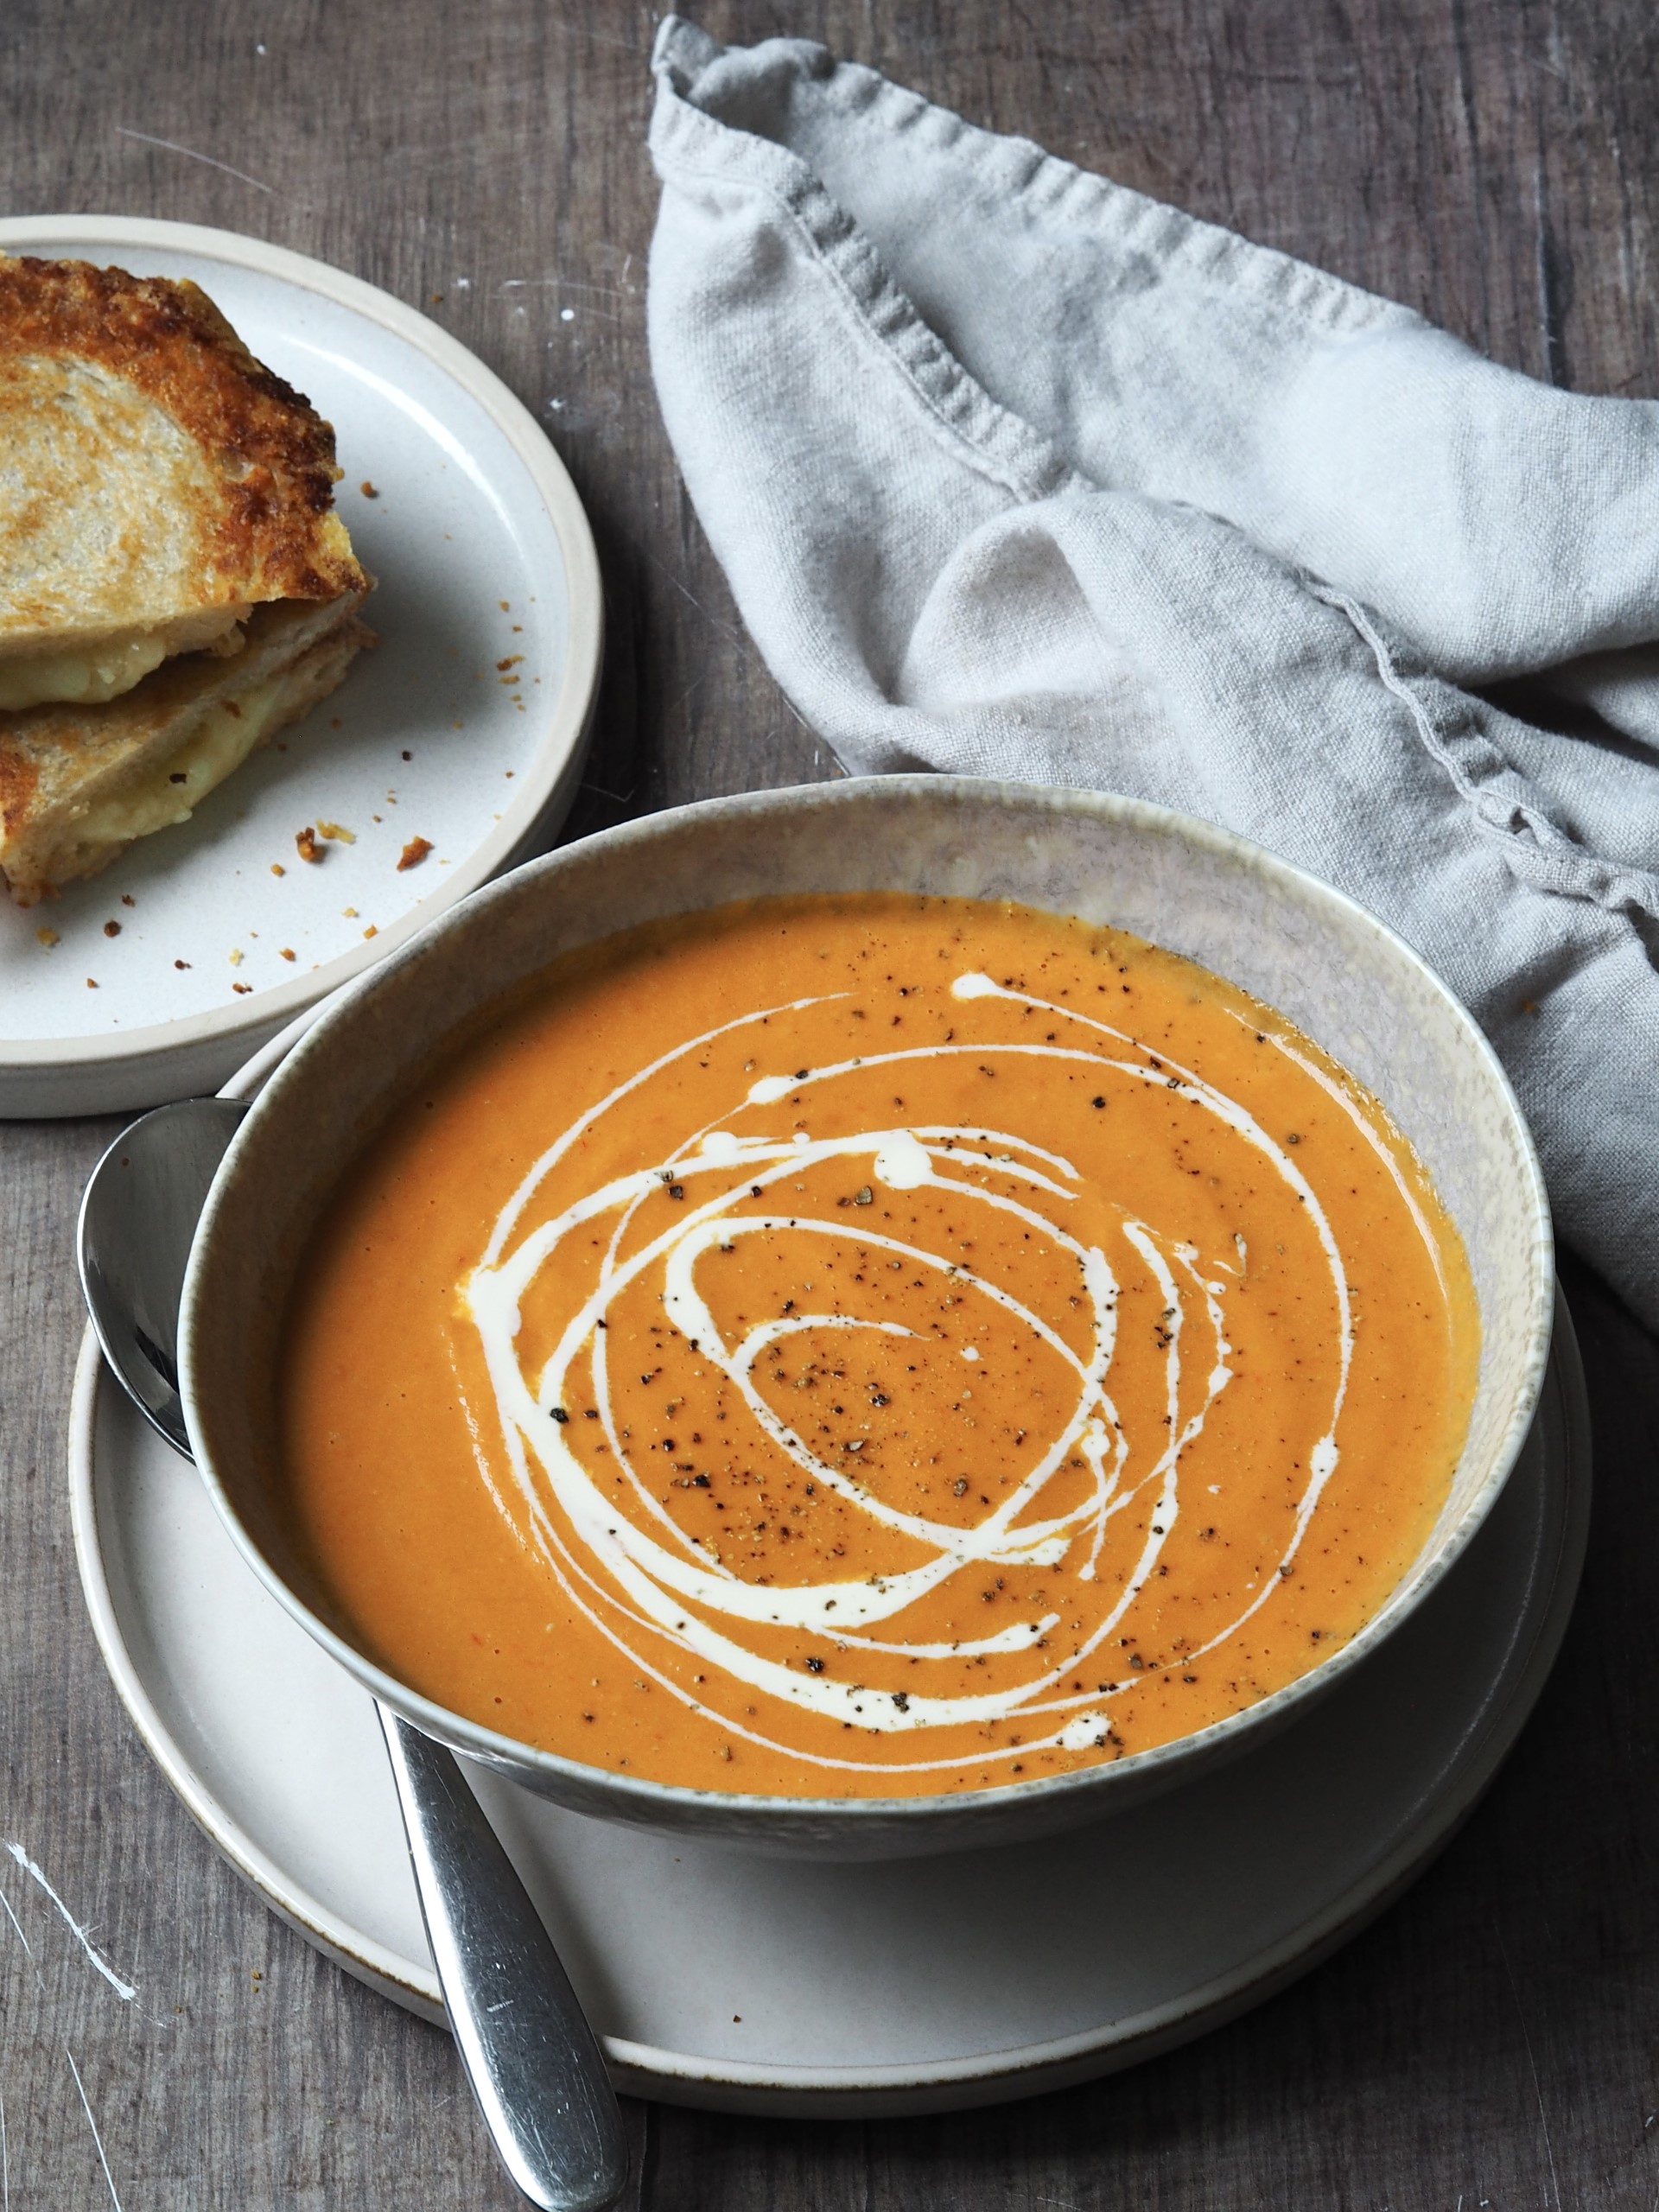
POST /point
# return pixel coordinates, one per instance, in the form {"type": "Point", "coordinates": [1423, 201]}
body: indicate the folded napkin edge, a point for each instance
{"type": "Point", "coordinates": [1006, 449]}
{"type": "Point", "coordinates": [1186, 244]}
{"type": "Point", "coordinates": [692, 145]}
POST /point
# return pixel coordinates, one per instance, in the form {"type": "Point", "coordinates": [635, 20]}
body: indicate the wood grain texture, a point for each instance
{"type": "Point", "coordinates": [1494, 2041]}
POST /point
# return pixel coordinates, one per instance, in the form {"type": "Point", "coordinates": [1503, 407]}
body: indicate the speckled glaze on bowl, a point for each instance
{"type": "Point", "coordinates": [1336, 971]}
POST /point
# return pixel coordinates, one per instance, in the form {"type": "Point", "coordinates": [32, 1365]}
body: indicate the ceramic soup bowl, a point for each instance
{"type": "Point", "coordinates": [1335, 971]}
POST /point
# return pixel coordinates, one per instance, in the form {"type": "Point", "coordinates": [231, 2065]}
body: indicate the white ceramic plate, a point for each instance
{"type": "Point", "coordinates": [909, 1986]}
{"type": "Point", "coordinates": [482, 551]}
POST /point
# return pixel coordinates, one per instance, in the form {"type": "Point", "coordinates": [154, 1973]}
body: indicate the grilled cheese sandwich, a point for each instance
{"type": "Point", "coordinates": [175, 584]}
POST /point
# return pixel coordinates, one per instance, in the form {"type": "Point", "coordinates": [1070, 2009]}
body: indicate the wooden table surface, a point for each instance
{"type": "Point", "coordinates": [1491, 2040]}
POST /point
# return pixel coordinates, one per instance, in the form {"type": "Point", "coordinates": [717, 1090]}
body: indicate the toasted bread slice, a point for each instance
{"type": "Point", "coordinates": [77, 785]}
{"type": "Point", "coordinates": [156, 483]}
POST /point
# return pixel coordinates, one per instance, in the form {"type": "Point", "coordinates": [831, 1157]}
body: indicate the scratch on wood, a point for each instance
{"type": "Point", "coordinates": [684, 696]}
{"type": "Point", "coordinates": [124, 1989]}
{"type": "Point", "coordinates": [28, 1947]}
{"type": "Point", "coordinates": [560, 284]}
{"type": "Point", "coordinates": [172, 146]}
{"type": "Point", "coordinates": [1537, 2087]}
{"type": "Point", "coordinates": [16, 1923]}
{"type": "Point", "coordinates": [725, 629]}
{"type": "Point", "coordinates": [707, 612]}
{"type": "Point", "coordinates": [93, 2124]}
{"type": "Point", "coordinates": [5, 2163]}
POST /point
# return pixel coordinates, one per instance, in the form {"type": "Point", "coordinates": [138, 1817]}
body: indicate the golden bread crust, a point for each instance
{"type": "Point", "coordinates": [253, 463]}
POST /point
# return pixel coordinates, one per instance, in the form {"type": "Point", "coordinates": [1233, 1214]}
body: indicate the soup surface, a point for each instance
{"type": "Point", "coordinates": [873, 1345]}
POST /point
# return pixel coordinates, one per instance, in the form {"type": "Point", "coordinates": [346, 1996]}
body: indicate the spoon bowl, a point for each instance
{"type": "Point", "coordinates": [138, 1220]}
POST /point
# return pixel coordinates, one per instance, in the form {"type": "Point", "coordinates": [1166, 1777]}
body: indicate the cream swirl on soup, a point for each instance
{"type": "Point", "coordinates": [884, 1375]}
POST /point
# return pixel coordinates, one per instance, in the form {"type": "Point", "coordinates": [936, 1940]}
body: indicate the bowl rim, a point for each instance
{"type": "Point", "coordinates": [662, 1805]}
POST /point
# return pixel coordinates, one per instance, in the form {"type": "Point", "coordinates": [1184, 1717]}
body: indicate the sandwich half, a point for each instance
{"type": "Point", "coordinates": [175, 584]}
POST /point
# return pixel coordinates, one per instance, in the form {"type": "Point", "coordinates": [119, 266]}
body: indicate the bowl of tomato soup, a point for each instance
{"type": "Point", "coordinates": [871, 1318]}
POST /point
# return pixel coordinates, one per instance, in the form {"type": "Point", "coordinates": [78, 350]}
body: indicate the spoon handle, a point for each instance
{"type": "Point", "coordinates": [531, 2056]}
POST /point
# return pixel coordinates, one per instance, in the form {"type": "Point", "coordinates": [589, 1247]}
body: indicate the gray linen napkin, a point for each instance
{"type": "Point", "coordinates": [1015, 473]}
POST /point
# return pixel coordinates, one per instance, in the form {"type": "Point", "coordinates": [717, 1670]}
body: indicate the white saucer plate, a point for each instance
{"type": "Point", "coordinates": [914, 1985]}
{"type": "Point", "coordinates": [465, 726]}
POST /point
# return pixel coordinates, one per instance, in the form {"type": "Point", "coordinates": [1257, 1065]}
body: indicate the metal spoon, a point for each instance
{"type": "Point", "coordinates": [530, 2055]}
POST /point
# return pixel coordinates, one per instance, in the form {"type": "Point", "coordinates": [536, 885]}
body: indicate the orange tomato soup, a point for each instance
{"type": "Point", "coordinates": [872, 1345]}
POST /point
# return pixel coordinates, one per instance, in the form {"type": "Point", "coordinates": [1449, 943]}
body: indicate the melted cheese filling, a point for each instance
{"type": "Point", "coordinates": [87, 679]}
{"type": "Point", "coordinates": [91, 676]}
{"type": "Point", "coordinates": [217, 745]}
